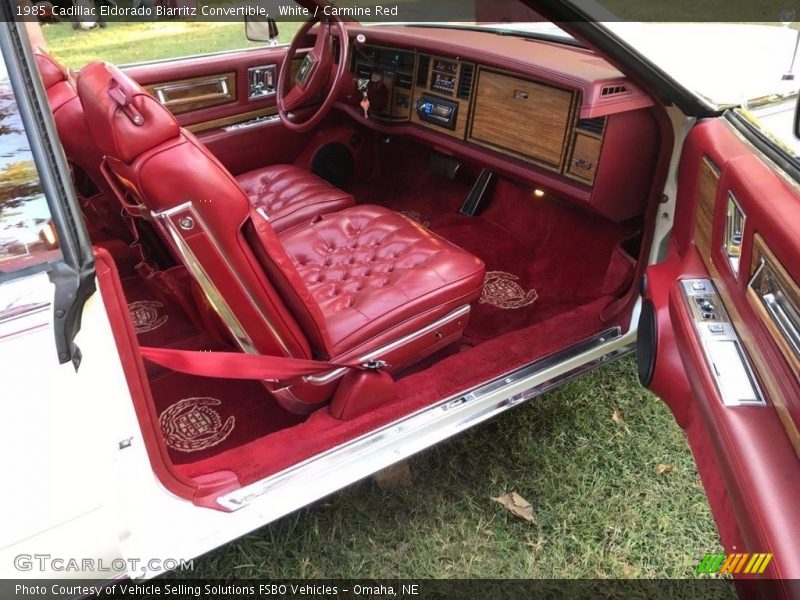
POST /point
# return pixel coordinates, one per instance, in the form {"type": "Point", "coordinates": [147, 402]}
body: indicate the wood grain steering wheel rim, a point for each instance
{"type": "Point", "coordinates": [314, 74]}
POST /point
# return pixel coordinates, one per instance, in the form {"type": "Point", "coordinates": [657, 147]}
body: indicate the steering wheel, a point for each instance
{"type": "Point", "coordinates": [314, 73]}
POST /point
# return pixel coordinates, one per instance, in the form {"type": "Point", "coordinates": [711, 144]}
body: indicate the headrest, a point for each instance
{"type": "Point", "coordinates": [124, 119]}
{"type": "Point", "coordinates": [50, 71]}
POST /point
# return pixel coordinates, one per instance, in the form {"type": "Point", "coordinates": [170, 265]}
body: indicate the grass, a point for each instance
{"type": "Point", "coordinates": [586, 456]}
{"type": "Point", "coordinates": [125, 43]}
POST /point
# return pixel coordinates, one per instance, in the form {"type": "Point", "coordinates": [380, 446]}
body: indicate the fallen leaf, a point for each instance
{"type": "Point", "coordinates": [396, 477]}
{"type": "Point", "coordinates": [662, 468]}
{"type": "Point", "coordinates": [616, 417]}
{"type": "Point", "coordinates": [517, 506]}
{"type": "Point", "coordinates": [488, 533]}
{"type": "Point", "coordinates": [629, 571]}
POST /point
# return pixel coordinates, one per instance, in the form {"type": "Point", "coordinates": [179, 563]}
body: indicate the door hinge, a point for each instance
{"type": "Point", "coordinates": [73, 289]}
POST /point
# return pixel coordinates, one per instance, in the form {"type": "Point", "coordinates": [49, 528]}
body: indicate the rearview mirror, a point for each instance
{"type": "Point", "coordinates": [261, 30]}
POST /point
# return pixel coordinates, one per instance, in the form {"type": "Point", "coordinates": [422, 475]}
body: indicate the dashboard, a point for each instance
{"type": "Point", "coordinates": [543, 126]}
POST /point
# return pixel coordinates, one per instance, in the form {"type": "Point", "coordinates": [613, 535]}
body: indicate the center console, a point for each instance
{"type": "Point", "coordinates": [442, 93]}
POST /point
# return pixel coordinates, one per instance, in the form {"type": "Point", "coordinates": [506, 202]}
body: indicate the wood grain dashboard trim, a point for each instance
{"type": "Point", "coordinates": [521, 117]}
{"type": "Point", "coordinates": [184, 95]}
{"type": "Point", "coordinates": [465, 106]}
{"type": "Point", "coordinates": [584, 156]}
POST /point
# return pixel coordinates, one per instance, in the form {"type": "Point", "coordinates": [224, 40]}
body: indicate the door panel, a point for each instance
{"type": "Point", "coordinates": [733, 210]}
{"type": "Point", "coordinates": [211, 96]}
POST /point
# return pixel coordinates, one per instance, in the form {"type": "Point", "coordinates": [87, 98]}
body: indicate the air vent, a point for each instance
{"type": "Point", "coordinates": [423, 69]}
{"type": "Point", "coordinates": [614, 89]}
{"type": "Point", "coordinates": [465, 82]}
{"type": "Point", "coordinates": [592, 125]}
{"type": "Point", "coordinates": [403, 80]}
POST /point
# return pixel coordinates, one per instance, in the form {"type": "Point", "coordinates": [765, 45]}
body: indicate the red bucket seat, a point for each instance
{"type": "Point", "coordinates": [363, 283]}
{"type": "Point", "coordinates": [81, 152]}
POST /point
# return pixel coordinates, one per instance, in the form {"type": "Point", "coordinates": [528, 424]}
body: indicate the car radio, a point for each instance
{"type": "Point", "coordinates": [438, 111]}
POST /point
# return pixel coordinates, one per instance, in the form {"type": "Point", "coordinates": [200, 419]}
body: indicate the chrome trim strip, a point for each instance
{"type": "Point", "coordinates": [258, 121]}
{"type": "Point", "coordinates": [163, 219]}
{"type": "Point", "coordinates": [430, 425]}
{"type": "Point", "coordinates": [20, 309]}
{"type": "Point", "coordinates": [733, 236]}
{"type": "Point", "coordinates": [25, 305]}
{"type": "Point", "coordinates": [724, 354]}
{"type": "Point", "coordinates": [376, 354]}
{"type": "Point", "coordinates": [769, 289]}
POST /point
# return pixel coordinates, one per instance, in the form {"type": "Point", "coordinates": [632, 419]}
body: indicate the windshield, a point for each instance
{"type": "Point", "coordinates": [727, 64]}
{"type": "Point", "coordinates": [730, 64]}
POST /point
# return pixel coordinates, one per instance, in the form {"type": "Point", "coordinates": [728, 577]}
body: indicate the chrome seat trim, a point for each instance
{"type": "Point", "coordinates": [166, 224]}
{"type": "Point", "coordinates": [380, 352]}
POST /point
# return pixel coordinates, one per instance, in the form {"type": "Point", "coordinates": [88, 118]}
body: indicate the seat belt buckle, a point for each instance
{"type": "Point", "coordinates": [374, 365]}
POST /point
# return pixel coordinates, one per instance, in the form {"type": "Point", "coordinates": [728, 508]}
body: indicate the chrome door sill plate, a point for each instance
{"type": "Point", "coordinates": [334, 469]}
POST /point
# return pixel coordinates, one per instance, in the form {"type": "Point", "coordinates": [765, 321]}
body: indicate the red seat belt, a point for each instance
{"type": "Point", "coordinates": [234, 365]}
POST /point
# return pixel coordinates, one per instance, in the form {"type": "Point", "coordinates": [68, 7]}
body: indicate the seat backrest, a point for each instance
{"type": "Point", "coordinates": [68, 115]}
{"type": "Point", "coordinates": [195, 202]}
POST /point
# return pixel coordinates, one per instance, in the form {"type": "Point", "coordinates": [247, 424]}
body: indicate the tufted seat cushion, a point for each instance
{"type": "Point", "coordinates": [368, 275]}
{"type": "Point", "coordinates": [289, 195]}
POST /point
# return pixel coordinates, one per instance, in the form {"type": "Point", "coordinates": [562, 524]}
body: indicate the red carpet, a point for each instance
{"type": "Point", "coordinates": [543, 256]}
{"type": "Point", "coordinates": [552, 268]}
{"type": "Point", "coordinates": [199, 416]}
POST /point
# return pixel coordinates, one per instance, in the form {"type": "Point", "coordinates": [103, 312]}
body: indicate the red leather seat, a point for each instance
{"type": "Point", "coordinates": [68, 114]}
{"type": "Point", "coordinates": [363, 283]}
{"type": "Point", "coordinates": [287, 194]}
{"type": "Point", "coordinates": [81, 152]}
{"type": "Point", "coordinates": [290, 195]}
{"type": "Point", "coordinates": [362, 277]}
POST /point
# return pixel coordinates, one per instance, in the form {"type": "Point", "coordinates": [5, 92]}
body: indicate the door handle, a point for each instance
{"type": "Point", "coordinates": [778, 303]}
{"type": "Point", "coordinates": [213, 89]}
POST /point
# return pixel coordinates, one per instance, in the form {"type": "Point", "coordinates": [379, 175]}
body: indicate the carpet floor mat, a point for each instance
{"type": "Point", "coordinates": [199, 416]}
{"type": "Point", "coordinates": [543, 256]}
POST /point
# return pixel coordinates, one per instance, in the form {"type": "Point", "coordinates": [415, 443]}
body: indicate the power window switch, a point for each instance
{"type": "Point", "coordinates": [716, 328]}
{"type": "Point", "coordinates": [698, 286]}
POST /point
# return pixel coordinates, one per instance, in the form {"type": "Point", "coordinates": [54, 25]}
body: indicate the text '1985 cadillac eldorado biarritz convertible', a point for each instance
{"type": "Point", "coordinates": [234, 283]}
